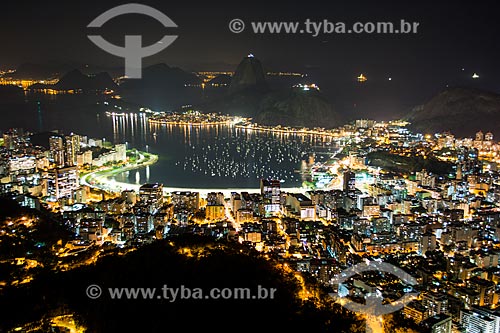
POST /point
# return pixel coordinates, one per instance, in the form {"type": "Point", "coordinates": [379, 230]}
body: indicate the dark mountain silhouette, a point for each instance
{"type": "Point", "coordinates": [244, 103]}
{"type": "Point", "coordinates": [77, 80]}
{"type": "Point", "coordinates": [222, 79]}
{"type": "Point", "coordinates": [73, 80]}
{"type": "Point", "coordinates": [250, 95]}
{"type": "Point", "coordinates": [247, 90]}
{"type": "Point", "coordinates": [161, 76]}
{"type": "Point", "coordinates": [249, 75]}
{"type": "Point", "coordinates": [162, 86]}
{"type": "Point", "coordinates": [102, 80]}
{"type": "Point", "coordinates": [299, 108]}
{"type": "Point", "coordinates": [463, 111]}
{"type": "Point", "coordinates": [217, 265]}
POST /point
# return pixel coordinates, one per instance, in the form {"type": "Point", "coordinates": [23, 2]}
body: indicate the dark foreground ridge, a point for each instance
{"type": "Point", "coordinates": [208, 264]}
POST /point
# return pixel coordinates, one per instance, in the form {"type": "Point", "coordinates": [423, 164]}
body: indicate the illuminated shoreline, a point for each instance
{"type": "Point", "coordinates": [99, 180]}
{"type": "Point", "coordinates": [251, 127]}
{"type": "Point", "coordinates": [194, 118]}
{"type": "Point", "coordinates": [305, 131]}
{"type": "Point", "coordinates": [246, 124]}
{"type": "Point", "coordinates": [183, 123]}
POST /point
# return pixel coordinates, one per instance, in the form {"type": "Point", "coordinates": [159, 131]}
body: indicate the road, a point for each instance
{"type": "Point", "coordinates": [99, 179]}
{"type": "Point", "coordinates": [230, 218]}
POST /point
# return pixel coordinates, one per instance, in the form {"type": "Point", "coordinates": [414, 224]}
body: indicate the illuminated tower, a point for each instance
{"type": "Point", "coordinates": [349, 182]}
{"type": "Point", "coordinates": [121, 151]}
{"type": "Point", "coordinates": [72, 149]}
{"type": "Point", "coordinates": [57, 153]}
{"type": "Point", "coordinates": [270, 190]}
{"type": "Point", "coordinates": [151, 195]}
{"type": "Point", "coordinates": [62, 183]}
{"type": "Point", "coordinates": [271, 195]}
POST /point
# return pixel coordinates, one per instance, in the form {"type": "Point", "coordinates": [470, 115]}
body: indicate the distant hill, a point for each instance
{"type": "Point", "coordinates": [299, 108]}
{"type": "Point", "coordinates": [248, 75]}
{"type": "Point", "coordinates": [162, 86]}
{"type": "Point", "coordinates": [161, 76]}
{"type": "Point", "coordinates": [245, 103]}
{"type": "Point", "coordinates": [463, 111]}
{"type": "Point", "coordinates": [77, 80]}
{"type": "Point", "coordinates": [250, 95]}
{"type": "Point", "coordinates": [222, 79]}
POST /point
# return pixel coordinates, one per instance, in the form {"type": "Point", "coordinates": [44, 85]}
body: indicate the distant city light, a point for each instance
{"type": "Point", "coordinates": [362, 78]}
{"type": "Point", "coordinates": [306, 87]}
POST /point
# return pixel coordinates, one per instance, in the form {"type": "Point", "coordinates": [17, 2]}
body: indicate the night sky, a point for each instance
{"type": "Point", "coordinates": [451, 36]}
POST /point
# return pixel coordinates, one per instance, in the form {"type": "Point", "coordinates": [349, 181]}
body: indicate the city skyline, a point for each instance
{"type": "Point", "coordinates": [448, 50]}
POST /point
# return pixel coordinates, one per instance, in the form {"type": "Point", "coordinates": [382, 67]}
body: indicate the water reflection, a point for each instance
{"type": "Point", "coordinates": [215, 156]}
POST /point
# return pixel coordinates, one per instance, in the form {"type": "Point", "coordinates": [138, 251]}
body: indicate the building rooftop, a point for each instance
{"type": "Point", "coordinates": [300, 197]}
{"type": "Point", "coordinates": [151, 186]}
{"type": "Point", "coordinates": [437, 319]}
